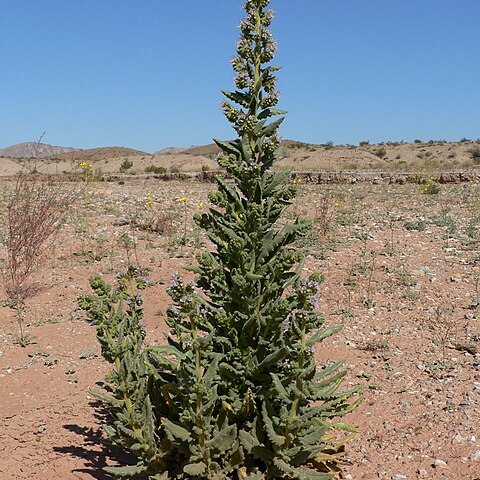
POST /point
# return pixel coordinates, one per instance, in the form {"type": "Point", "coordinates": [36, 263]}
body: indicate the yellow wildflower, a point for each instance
{"type": "Point", "coordinates": [183, 199]}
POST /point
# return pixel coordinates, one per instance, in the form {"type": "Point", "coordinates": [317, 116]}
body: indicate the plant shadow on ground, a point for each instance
{"type": "Point", "coordinates": [95, 449]}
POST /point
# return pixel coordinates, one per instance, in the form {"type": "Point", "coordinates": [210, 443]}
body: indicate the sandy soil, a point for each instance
{"type": "Point", "coordinates": [401, 273]}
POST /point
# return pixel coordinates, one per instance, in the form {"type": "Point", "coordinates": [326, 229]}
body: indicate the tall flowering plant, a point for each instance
{"type": "Point", "coordinates": [236, 394]}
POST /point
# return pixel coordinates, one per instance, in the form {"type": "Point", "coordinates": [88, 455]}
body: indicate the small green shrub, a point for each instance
{"type": "Point", "coordinates": [126, 165]}
{"type": "Point", "coordinates": [155, 170]}
{"type": "Point", "coordinates": [380, 152]}
{"type": "Point", "coordinates": [475, 153]}
{"type": "Point", "coordinates": [431, 188]}
{"type": "Point", "coordinates": [174, 169]}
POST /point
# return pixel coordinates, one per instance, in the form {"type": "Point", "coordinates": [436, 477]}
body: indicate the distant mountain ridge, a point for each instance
{"type": "Point", "coordinates": [34, 149]}
{"type": "Point", "coordinates": [170, 150]}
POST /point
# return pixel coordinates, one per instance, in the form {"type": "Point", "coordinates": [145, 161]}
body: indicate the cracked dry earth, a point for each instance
{"type": "Point", "coordinates": [401, 273]}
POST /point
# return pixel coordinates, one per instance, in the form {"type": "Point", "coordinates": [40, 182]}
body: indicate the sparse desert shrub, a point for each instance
{"type": "Point", "coordinates": [205, 168]}
{"type": "Point", "coordinates": [156, 170]}
{"type": "Point", "coordinates": [34, 214]}
{"type": "Point", "coordinates": [352, 166]}
{"type": "Point", "coordinates": [174, 169]}
{"type": "Point", "coordinates": [380, 152]}
{"type": "Point", "coordinates": [236, 393]}
{"type": "Point", "coordinates": [431, 188]}
{"type": "Point", "coordinates": [326, 214]}
{"type": "Point", "coordinates": [364, 143]}
{"type": "Point", "coordinates": [475, 154]}
{"type": "Point", "coordinates": [126, 165]}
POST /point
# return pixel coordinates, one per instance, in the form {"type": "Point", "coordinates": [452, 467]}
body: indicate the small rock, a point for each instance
{"type": "Point", "coordinates": [404, 405]}
{"type": "Point", "coordinates": [440, 463]}
{"type": "Point", "coordinates": [422, 473]}
{"type": "Point", "coordinates": [398, 476]}
{"type": "Point", "coordinates": [476, 455]}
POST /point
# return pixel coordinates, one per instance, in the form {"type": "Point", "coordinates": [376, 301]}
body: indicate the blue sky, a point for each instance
{"type": "Point", "coordinates": [147, 74]}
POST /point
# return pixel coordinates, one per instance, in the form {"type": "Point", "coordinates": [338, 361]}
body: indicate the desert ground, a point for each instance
{"type": "Point", "coordinates": [402, 274]}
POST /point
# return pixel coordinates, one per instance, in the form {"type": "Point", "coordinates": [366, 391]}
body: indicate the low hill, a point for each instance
{"type": "Point", "coordinates": [34, 149]}
{"type": "Point", "coordinates": [203, 151]}
{"type": "Point", "coordinates": [98, 154]}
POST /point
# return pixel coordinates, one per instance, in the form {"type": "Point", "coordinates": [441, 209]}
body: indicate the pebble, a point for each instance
{"type": "Point", "coordinates": [440, 463]}
{"type": "Point", "coordinates": [476, 455]}
{"type": "Point", "coordinates": [398, 476]}
{"type": "Point", "coordinates": [422, 473]}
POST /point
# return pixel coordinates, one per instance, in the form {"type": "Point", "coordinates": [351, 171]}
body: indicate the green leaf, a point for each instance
{"type": "Point", "coordinates": [195, 469]}
{"type": "Point", "coordinates": [322, 335]}
{"type": "Point", "coordinates": [230, 191]}
{"type": "Point", "coordinates": [273, 436]}
{"type": "Point", "coordinates": [211, 372]}
{"type": "Point", "coordinates": [279, 388]}
{"type": "Point", "coordinates": [237, 97]}
{"type": "Point", "coordinates": [108, 399]}
{"type": "Point", "coordinates": [275, 181]}
{"type": "Point", "coordinates": [272, 127]}
{"type": "Point", "coordinates": [129, 471]}
{"type": "Point", "coordinates": [228, 147]}
{"type": "Point", "coordinates": [225, 439]}
{"type": "Point", "coordinates": [285, 235]}
{"type": "Point", "coordinates": [175, 432]}
{"type": "Point", "coordinates": [303, 473]}
{"type": "Point", "coordinates": [247, 440]}
{"type": "Point", "coordinates": [228, 371]}
{"type": "Point", "coordinates": [159, 476]}
{"type": "Point", "coordinates": [271, 112]}
{"type": "Point", "coordinates": [246, 149]}
{"type": "Point", "coordinates": [274, 358]}
{"type": "Point", "coordinates": [283, 466]}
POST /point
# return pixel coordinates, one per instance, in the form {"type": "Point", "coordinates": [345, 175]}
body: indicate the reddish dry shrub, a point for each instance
{"type": "Point", "coordinates": [34, 214]}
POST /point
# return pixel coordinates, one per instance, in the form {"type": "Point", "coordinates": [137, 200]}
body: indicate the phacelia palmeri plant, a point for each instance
{"type": "Point", "coordinates": [236, 394]}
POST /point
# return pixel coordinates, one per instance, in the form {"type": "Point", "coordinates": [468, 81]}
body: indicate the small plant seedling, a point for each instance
{"type": "Point", "coordinates": [443, 327]}
{"type": "Point", "coordinates": [24, 339]}
{"type": "Point", "coordinates": [88, 353]}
